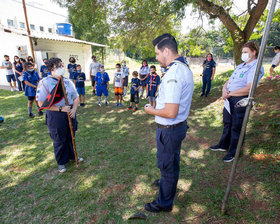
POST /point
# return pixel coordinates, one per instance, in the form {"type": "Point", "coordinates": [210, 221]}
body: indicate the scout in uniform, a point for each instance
{"type": "Point", "coordinates": [275, 62]}
{"type": "Point", "coordinates": [79, 80]}
{"type": "Point", "coordinates": [234, 90]}
{"type": "Point", "coordinates": [209, 68]}
{"type": "Point", "coordinates": [56, 115]}
{"type": "Point", "coordinates": [118, 85]}
{"type": "Point", "coordinates": [102, 85]}
{"type": "Point", "coordinates": [6, 64]}
{"type": "Point", "coordinates": [125, 71]}
{"type": "Point", "coordinates": [143, 73]}
{"type": "Point", "coordinates": [31, 80]}
{"type": "Point", "coordinates": [153, 82]}
{"type": "Point", "coordinates": [44, 70]}
{"type": "Point", "coordinates": [134, 94]}
{"type": "Point", "coordinates": [72, 68]}
{"type": "Point", "coordinates": [18, 66]}
{"type": "Point", "coordinates": [172, 109]}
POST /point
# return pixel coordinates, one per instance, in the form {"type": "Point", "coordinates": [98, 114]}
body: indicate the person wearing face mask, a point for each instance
{"type": "Point", "coordinates": [31, 80]}
{"type": "Point", "coordinates": [56, 115]}
{"type": "Point", "coordinates": [125, 71]}
{"type": "Point", "coordinates": [275, 62]}
{"type": "Point", "coordinates": [234, 90]}
{"type": "Point", "coordinates": [209, 69]}
{"type": "Point", "coordinates": [18, 66]}
{"type": "Point", "coordinates": [102, 85]}
{"type": "Point", "coordinates": [153, 82]}
{"type": "Point", "coordinates": [72, 68]}
{"type": "Point", "coordinates": [143, 73]}
{"type": "Point", "coordinates": [44, 70]}
{"type": "Point", "coordinates": [118, 85]}
{"type": "Point", "coordinates": [93, 69]}
{"type": "Point", "coordinates": [6, 64]}
{"type": "Point", "coordinates": [79, 80]}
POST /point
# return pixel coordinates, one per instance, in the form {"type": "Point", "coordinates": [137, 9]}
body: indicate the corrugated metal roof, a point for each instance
{"type": "Point", "coordinates": [50, 36]}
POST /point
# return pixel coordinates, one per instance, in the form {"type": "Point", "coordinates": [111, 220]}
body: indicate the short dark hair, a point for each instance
{"type": "Point", "coordinates": [53, 62]}
{"type": "Point", "coordinates": [93, 56]}
{"type": "Point", "coordinates": [118, 64]}
{"type": "Point", "coordinates": [166, 41]}
{"type": "Point", "coordinates": [152, 66]}
{"type": "Point", "coordinates": [276, 48]}
{"type": "Point", "coordinates": [78, 66]}
{"type": "Point", "coordinates": [70, 59]}
{"type": "Point", "coordinates": [26, 64]}
{"type": "Point", "coordinates": [45, 59]}
{"type": "Point", "coordinates": [6, 56]}
{"type": "Point", "coordinates": [135, 73]}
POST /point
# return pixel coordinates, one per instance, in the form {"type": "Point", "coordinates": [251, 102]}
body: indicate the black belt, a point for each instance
{"type": "Point", "coordinates": [170, 126]}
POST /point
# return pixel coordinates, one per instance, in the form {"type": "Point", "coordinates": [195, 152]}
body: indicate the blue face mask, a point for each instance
{"type": "Point", "coordinates": [79, 70]}
{"type": "Point", "coordinates": [31, 70]}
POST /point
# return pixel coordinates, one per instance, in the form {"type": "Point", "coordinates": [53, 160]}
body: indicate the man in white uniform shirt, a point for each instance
{"type": "Point", "coordinates": [172, 109]}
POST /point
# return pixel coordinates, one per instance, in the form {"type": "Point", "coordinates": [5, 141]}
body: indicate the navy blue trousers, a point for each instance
{"type": "Point", "coordinates": [206, 81]}
{"type": "Point", "coordinates": [232, 125]}
{"type": "Point", "coordinates": [21, 85]}
{"type": "Point", "coordinates": [168, 159]}
{"type": "Point", "coordinates": [58, 125]}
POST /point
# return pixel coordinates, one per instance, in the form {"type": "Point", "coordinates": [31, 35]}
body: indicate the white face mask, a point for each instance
{"type": "Point", "coordinates": [245, 57]}
{"type": "Point", "coordinates": [60, 71]}
{"type": "Point", "coordinates": [17, 60]}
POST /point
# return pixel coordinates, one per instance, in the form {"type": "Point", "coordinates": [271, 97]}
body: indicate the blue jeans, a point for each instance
{"type": "Point", "coordinates": [206, 80]}
{"type": "Point", "coordinates": [168, 159]}
{"type": "Point", "coordinates": [21, 85]}
{"type": "Point", "coordinates": [232, 125]}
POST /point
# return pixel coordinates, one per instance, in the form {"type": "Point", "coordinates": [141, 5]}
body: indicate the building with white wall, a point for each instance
{"type": "Point", "coordinates": [43, 17]}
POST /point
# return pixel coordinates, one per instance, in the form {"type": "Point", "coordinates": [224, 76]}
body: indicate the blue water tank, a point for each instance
{"type": "Point", "coordinates": [64, 29]}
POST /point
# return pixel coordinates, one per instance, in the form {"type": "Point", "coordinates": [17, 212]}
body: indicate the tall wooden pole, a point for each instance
{"type": "Point", "coordinates": [103, 55]}
{"type": "Point", "coordinates": [250, 102]}
{"type": "Point", "coordinates": [28, 30]}
{"type": "Point", "coordinates": [70, 121]}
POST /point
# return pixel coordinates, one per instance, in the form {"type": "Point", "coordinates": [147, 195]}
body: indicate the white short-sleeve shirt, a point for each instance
{"type": "Point", "coordinates": [176, 87]}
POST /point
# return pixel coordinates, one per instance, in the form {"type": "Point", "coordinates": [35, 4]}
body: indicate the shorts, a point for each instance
{"type": "Point", "coordinates": [125, 81]}
{"type": "Point", "coordinates": [10, 77]}
{"type": "Point", "coordinates": [144, 82]}
{"type": "Point", "coordinates": [118, 91]}
{"type": "Point", "coordinates": [81, 90]}
{"type": "Point", "coordinates": [101, 89]}
{"type": "Point", "coordinates": [273, 66]}
{"type": "Point", "coordinates": [152, 98]}
{"type": "Point", "coordinates": [134, 98]}
{"type": "Point", "coordinates": [31, 97]}
{"type": "Point", "coordinates": [93, 81]}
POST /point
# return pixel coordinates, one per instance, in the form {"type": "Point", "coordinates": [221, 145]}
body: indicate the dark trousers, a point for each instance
{"type": "Point", "coordinates": [168, 159]}
{"type": "Point", "coordinates": [206, 80]}
{"type": "Point", "coordinates": [232, 125]}
{"type": "Point", "coordinates": [58, 125]}
{"type": "Point", "coordinates": [21, 85]}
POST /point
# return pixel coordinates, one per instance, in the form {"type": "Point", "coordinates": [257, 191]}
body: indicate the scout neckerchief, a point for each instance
{"type": "Point", "coordinates": [152, 80]}
{"type": "Point", "coordinates": [180, 60]}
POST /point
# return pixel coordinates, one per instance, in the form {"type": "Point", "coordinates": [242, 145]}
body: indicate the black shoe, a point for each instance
{"type": "Point", "coordinates": [217, 148]}
{"type": "Point", "coordinates": [228, 158]}
{"type": "Point", "coordinates": [154, 207]}
{"type": "Point", "coordinates": [82, 105]}
{"type": "Point", "coordinates": [31, 115]}
{"type": "Point", "coordinates": [206, 95]}
{"type": "Point", "coordinates": [156, 183]}
{"type": "Point", "coordinates": [40, 113]}
{"type": "Point", "coordinates": [202, 94]}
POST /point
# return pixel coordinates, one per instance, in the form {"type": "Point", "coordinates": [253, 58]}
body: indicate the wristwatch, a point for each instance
{"type": "Point", "coordinates": [60, 108]}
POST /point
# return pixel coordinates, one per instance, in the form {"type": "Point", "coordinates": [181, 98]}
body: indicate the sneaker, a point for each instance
{"type": "Point", "coordinates": [106, 103]}
{"type": "Point", "coordinates": [99, 104]}
{"type": "Point", "coordinates": [228, 158]}
{"type": "Point", "coordinates": [31, 115]}
{"type": "Point", "coordinates": [12, 90]}
{"type": "Point", "coordinates": [216, 148]}
{"type": "Point", "coordinates": [80, 159]}
{"type": "Point", "coordinates": [82, 104]}
{"type": "Point", "coordinates": [202, 94]}
{"type": "Point", "coordinates": [129, 108]}
{"type": "Point", "coordinates": [120, 104]}
{"type": "Point", "coordinates": [61, 168]}
{"type": "Point", "coordinates": [154, 207]}
{"type": "Point", "coordinates": [40, 113]}
{"type": "Point", "coordinates": [16, 89]}
{"type": "Point", "coordinates": [135, 109]}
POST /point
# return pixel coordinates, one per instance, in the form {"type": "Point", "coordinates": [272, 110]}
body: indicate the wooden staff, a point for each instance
{"type": "Point", "coordinates": [70, 121]}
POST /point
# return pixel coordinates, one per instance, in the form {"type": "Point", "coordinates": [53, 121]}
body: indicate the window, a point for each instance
{"type": "Point", "coordinates": [10, 22]}
{"type": "Point", "coordinates": [41, 28]}
{"type": "Point", "coordinates": [50, 30]}
{"type": "Point", "coordinates": [22, 25]}
{"type": "Point", "coordinates": [32, 27]}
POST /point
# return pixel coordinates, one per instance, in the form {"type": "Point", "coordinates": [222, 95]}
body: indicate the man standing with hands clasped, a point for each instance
{"type": "Point", "coordinates": [172, 109]}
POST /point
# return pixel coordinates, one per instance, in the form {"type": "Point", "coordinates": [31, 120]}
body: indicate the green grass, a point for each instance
{"type": "Point", "coordinates": [119, 149]}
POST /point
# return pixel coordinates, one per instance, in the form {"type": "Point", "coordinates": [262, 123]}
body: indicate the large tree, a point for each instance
{"type": "Point", "coordinates": [222, 9]}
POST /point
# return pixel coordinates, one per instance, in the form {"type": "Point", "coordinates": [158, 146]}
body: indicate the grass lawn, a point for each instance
{"type": "Point", "coordinates": [119, 149]}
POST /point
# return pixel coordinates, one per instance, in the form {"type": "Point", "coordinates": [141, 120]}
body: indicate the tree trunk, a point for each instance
{"type": "Point", "coordinates": [237, 51]}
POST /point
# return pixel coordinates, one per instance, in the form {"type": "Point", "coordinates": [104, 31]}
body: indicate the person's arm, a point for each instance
{"type": "Point", "coordinates": [30, 84]}
{"type": "Point", "coordinates": [169, 111]}
{"type": "Point", "coordinates": [147, 88]}
{"type": "Point", "coordinates": [114, 82]}
{"type": "Point", "coordinates": [108, 85]}
{"type": "Point", "coordinates": [225, 92]}
{"type": "Point", "coordinates": [90, 72]}
{"type": "Point", "coordinates": [213, 73]}
{"type": "Point", "coordinates": [56, 108]}
{"type": "Point", "coordinates": [157, 90]}
{"type": "Point", "coordinates": [72, 111]}
{"type": "Point", "coordinates": [146, 77]}
{"type": "Point", "coordinates": [244, 91]}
